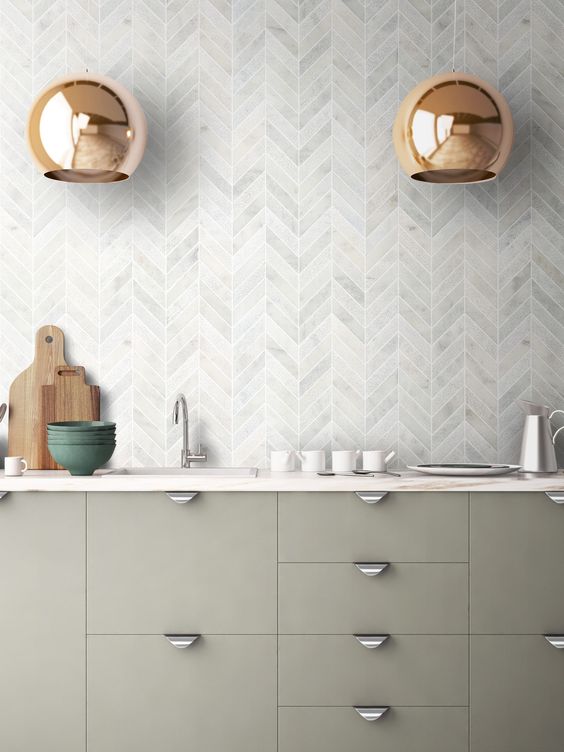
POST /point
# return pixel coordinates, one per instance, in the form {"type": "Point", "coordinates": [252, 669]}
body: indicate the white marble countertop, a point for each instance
{"type": "Point", "coordinates": [52, 480]}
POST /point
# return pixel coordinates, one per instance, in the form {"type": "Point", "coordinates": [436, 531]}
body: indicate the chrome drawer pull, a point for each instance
{"type": "Point", "coordinates": [181, 640]}
{"type": "Point", "coordinates": [556, 640]}
{"type": "Point", "coordinates": [370, 570]}
{"type": "Point", "coordinates": [371, 497]}
{"type": "Point", "coordinates": [371, 640]}
{"type": "Point", "coordinates": [371, 714]}
{"type": "Point", "coordinates": [181, 497]}
{"type": "Point", "coordinates": [3, 493]}
{"type": "Point", "coordinates": [556, 496]}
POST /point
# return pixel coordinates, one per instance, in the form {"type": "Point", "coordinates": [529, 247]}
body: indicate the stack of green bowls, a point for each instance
{"type": "Point", "coordinates": [81, 446]}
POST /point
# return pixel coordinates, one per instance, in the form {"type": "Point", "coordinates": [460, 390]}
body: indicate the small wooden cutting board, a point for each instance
{"type": "Point", "coordinates": [25, 406]}
{"type": "Point", "coordinates": [69, 397]}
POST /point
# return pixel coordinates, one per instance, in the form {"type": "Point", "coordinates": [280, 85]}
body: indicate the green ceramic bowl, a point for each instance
{"type": "Point", "coordinates": [81, 459]}
{"type": "Point", "coordinates": [72, 442]}
{"type": "Point", "coordinates": [81, 434]}
{"type": "Point", "coordinates": [82, 425]}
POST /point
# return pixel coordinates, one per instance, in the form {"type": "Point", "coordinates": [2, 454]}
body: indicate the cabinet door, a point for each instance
{"type": "Point", "coordinates": [517, 694]}
{"type": "Point", "coordinates": [407, 527]}
{"type": "Point", "coordinates": [155, 566]}
{"type": "Point", "coordinates": [399, 730]}
{"type": "Point", "coordinates": [517, 561]}
{"type": "Point", "coordinates": [42, 630]}
{"type": "Point", "coordinates": [145, 695]}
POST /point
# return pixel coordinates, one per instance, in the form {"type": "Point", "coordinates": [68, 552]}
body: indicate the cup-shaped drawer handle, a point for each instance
{"type": "Point", "coordinates": [371, 640]}
{"type": "Point", "coordinates": [556, 496]}
{"type": "Point", "coordinates": [371, 569]}
{"type": "Point", "coordinates": [556, 640]}
{"type": "Point", "coordinates": [182, 497]}
{"type": "Point", "coordinates": [181, 640]}
{"type": "Point", "coordinates": [3, 493]}
{"type": "Point", "coordinates": [371, 714]}
{"type": "Point", "coordinates": [371, 497]}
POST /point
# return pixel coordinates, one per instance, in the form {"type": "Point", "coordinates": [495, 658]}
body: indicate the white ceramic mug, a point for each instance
{"type": "Point", "coordinates": [344, 460]}
{"type": "Point", "coordinates": [283, 461]}
{"type": "Point", "coordinates": [14, 465]}
{"type": "Point", "coordinates": [313, 460]}
{"type": "Point", "coordinates": [376, 460]}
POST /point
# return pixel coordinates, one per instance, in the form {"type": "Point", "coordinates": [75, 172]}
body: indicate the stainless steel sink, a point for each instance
{"type": "Point", "coordinates": [224, 472]}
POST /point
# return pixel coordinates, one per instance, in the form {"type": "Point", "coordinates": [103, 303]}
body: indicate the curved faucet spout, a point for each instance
{"type": "Point", "coordinates": [186, 455]}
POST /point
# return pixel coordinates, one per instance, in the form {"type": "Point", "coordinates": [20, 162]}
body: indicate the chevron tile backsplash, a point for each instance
{"type": "Point", "coordinates": [268, 258]}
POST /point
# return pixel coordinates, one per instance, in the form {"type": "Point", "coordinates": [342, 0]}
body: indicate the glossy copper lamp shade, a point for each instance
{"type": "Point", "coordinates": [453, 128]}
{"type": "Point", "coordinates": [86, 129]}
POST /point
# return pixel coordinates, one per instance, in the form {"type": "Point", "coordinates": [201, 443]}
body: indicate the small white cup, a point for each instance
{"type": "Point", "coordinates": [313, 460]}
{"type": "Point", "coordinates": [14, 466]}
{"type": "Point", "coordinates": [376, 460]}
{"type": "Point", "coordinates": [283, 461]}
{"type": "Point", "coordinates": [344, 460]}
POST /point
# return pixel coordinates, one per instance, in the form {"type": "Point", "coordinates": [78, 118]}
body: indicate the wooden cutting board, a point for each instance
{"type": "Point", "coordinates": [69, 397]}
{"type": "Point", "coordinates": [24, 427]}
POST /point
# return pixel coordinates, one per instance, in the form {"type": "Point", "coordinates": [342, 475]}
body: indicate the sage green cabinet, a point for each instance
{"type": "Point", "coordinates": [42, 629]}
{"type": "Point", "coordinates": [155, 566]}
{"type": "Point", "coordinates": [404, 670]}
{"type": "Point", "coordinates": [517, 563]}
{"type": "Point", "coordinates": [399, 730]}
{"type": "Point", "coordinates": [404, 598]}
{"type": "Point", "coordinates": [403, 527]}
{"type": "Point", "coordinates": [517, 694]}
{"type": "Point", "coordinates": [218, 694]}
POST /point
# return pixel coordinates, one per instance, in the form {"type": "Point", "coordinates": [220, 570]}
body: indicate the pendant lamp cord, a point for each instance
{"type": "Point", "coordinates": [454, 37]}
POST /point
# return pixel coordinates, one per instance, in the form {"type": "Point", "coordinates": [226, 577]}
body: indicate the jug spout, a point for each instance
{"type": "Point", "coordinates": [531, 408]}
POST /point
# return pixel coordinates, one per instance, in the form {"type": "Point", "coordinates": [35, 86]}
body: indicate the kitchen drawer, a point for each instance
{"type": "Point", "coordinates": [155, 566]}
{"type": "Point", "coordinates": [218, 694]}
{"type": "Point", "coordinates": [399, 730]}
{"type": "Point", "coordinates": [403, 670]}
{"type": "Point", "coordinates": [405, 598]}
{"type": "Point", "coordinates": [517, 563]}
{"type": "Point", "coordinates": [517, 694]}
{"type": "Point", "coordinates": [410, 527]}
{"type": "Point", "coordinates": [42, 626]}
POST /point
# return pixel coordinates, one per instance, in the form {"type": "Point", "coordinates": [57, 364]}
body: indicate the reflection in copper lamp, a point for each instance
{"type": "Point", "coordinates": [86, 129]}
{"type": "Point", "coordinates": [453, 128]}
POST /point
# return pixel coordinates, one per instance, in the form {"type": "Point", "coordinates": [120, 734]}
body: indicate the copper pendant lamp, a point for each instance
{"type": "Point", "coordinates": [453, 128]}
{"type": "Point", "coordinates": [86, 128]}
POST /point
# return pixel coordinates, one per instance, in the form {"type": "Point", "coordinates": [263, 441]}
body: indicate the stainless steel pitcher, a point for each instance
{"type": "Point", "coordinates": [537, 448]}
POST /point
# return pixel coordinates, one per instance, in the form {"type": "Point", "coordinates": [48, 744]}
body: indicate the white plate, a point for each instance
{"type": "Point", "coordinates": [461, 469]}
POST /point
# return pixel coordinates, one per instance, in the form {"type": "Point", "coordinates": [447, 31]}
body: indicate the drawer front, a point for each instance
{"type": "Point", "coordinates": [405, 598]}
{"type": "Point", "coordinates": [218, 694]}
{"type": "Point", "coordinates": [399, 730]}
{"type": "Point", "coordinates": [410, 527]}
{"type": "Point", "coordinates": [404, 670]}
{"type": "Point", "coordinates": [517, 561]}
{"type": "Point", "coordinates": [155, 566]}
{"type": "Point", "coordinates": [42, 626]}
{"type": "Point", "coordinates": [517, 691]}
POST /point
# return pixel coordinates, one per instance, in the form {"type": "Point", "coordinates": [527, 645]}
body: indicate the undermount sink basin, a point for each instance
{"type": "Point", "coordinates": [224, 472]}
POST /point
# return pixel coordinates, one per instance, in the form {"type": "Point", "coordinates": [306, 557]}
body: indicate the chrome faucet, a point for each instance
{"type": "Point", "coordinates": [186, 456]}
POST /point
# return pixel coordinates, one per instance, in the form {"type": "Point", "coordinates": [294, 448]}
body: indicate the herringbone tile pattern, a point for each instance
{"type": "Point", "coordinates": [269, 259]}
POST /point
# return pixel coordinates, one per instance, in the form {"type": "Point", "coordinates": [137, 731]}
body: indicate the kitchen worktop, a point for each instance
{"type": "Point", "coordinates": [52, 480]}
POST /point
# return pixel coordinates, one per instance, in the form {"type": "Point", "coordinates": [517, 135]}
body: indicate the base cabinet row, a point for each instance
{"type": "Point", "coordinates": [89, 587]}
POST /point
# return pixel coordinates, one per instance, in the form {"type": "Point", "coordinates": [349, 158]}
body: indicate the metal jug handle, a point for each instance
{"type": "Point", "coordinates": [558, 430]}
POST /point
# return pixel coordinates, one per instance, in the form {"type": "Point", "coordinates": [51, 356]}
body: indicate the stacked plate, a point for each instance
{"type": "Point", "coordinates": [81, 446]}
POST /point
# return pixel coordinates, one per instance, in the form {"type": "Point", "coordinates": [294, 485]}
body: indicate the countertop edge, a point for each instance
{"type": "Point", "coordinates": [49, 481]}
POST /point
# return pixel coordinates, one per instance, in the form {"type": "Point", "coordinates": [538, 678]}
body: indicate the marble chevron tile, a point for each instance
{"type": "Point", "coordinates": [269, 259]}
{"type": "Point", "coordinates": [282, 226]}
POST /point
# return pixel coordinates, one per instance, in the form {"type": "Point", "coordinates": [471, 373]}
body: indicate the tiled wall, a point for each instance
{"type": "Point", "coordinates": [268, 258]}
